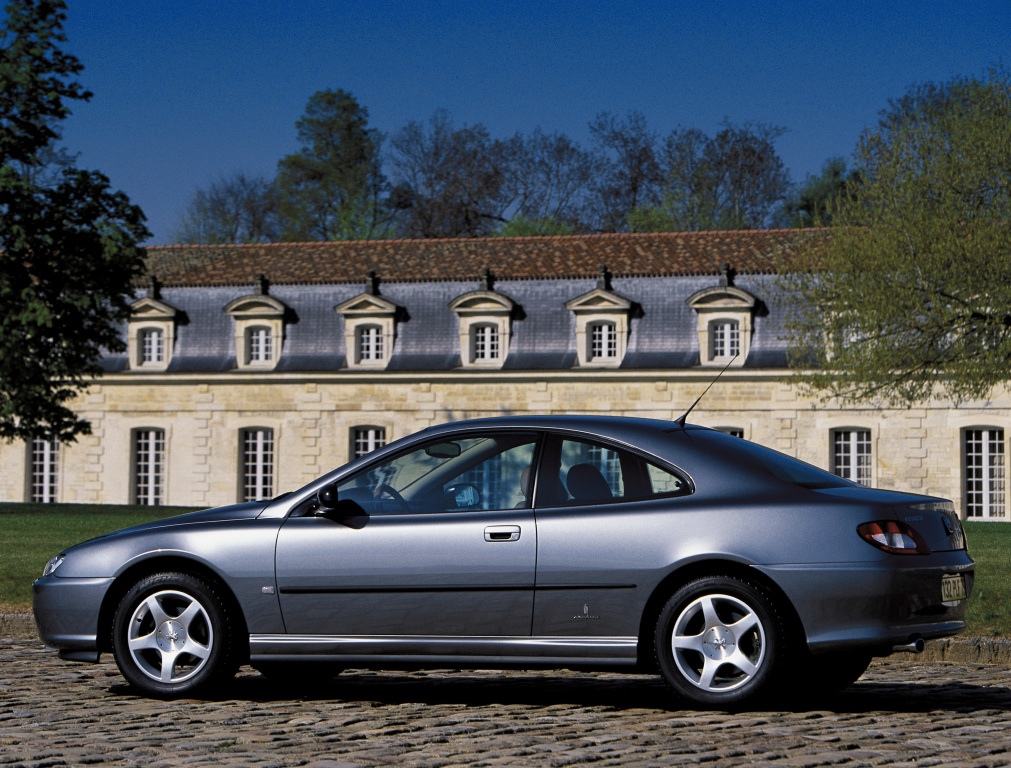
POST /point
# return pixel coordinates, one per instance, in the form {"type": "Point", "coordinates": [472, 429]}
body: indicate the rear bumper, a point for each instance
{"type": "Point", "coordinates": [67, 610]}
{"type": "Point", "coordinates": [875, 605]}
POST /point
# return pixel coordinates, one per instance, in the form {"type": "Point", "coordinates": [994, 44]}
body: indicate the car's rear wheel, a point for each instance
{"type": "Point", "coordinates": [172, 635]}
{"type": "Point", "coordinates": [719, 641]}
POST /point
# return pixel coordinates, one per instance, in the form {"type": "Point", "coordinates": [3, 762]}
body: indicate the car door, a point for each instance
{"type": "Point", "coordinates": [437, 541]}
{"type": "Point", "coordinates": [603, 530]}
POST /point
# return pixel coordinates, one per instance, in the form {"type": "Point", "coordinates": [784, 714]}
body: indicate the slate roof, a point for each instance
{"type": "Point", "coordinates": [513, 258]}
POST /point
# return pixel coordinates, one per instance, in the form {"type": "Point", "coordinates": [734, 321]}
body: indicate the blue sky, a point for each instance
{"type": "Point", "coordinates": [188, 92]}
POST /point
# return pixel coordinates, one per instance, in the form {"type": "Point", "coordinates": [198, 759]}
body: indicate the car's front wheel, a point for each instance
{"type": "Point", "coordinates": [719, 641]}
{"type": "Point", "coordinates": [172, 635]}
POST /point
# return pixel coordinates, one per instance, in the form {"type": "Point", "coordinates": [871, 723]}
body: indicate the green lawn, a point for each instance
{"type": "Point", "coordinates": [33, 533]}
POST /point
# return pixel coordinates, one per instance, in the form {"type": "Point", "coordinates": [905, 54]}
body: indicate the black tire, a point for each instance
{"type": "Point", "coordinates": [732, 641]}
{"type": "Point", "coordinates": [172, 636]}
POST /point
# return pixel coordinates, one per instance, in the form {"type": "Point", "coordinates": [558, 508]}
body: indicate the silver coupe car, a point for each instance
{"type": "Point", "coordinates": [557, 541]}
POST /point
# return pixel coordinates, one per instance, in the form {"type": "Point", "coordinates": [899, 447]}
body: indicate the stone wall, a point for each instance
{"type": "Point", "coordinates": [917, 449]}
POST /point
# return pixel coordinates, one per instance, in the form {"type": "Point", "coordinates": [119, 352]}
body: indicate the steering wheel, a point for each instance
{"type": "Point", "coordinates": [392, 492]}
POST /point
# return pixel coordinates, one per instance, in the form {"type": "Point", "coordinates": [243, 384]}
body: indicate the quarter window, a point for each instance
{"type": "Point", "coordinates": [984, 473]}
{"type": "Point", "coordinates": [578, 472]}
{"type": "Point", "coordinates": [148, 468]}
{"type": "Point", "coordinates": [44, 458]}
{"type": "Point", "coordinates": [851, 455]}
{"type": "Point", "coordinates": [485, 343]}
{"type": "Point", "coordinates": [366, 439]}
{"type": "Point", "coordinates": [257, 464]}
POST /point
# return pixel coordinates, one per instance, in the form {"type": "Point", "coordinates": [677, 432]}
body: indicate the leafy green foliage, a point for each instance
{"type": "Point", "coordinates": [909, 296]}
{"type": "Point", "coordinates": [68, 243]}
{"type": "Point", "coordinates": [330, 189]}
{"type": "Point", "coordinates": [814, 204]}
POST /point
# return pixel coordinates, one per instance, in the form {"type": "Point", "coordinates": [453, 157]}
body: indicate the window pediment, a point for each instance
{"type": "Point", "coordinates": [256, 306]}
{"type": "Point", "coordinates": [719, 297]}
{"type": "Point", "coordinates": [152, 309]}
{"type": "Point", "coordinates": [366, 305]}
{"type": "Point", "coordinates": [482, 303]}
{"type": "Point", "coordinates": [599, 300]}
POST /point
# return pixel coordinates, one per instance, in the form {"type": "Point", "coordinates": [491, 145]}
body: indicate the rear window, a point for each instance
{"type": "Point", "coordinates": [778, 465]}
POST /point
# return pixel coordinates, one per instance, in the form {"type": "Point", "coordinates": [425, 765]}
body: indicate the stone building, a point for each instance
{"type": "Point", "coordinates": [252, 369]}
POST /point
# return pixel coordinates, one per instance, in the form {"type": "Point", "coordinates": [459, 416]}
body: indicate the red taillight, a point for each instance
{"type": "Point", "coordinates": [894, 537]}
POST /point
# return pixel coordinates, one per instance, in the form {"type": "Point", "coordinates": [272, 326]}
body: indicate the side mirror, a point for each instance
{"type": "Point", "coordinates": [464, 495]}
{"type": "Point", "coordinates": [327, 496]}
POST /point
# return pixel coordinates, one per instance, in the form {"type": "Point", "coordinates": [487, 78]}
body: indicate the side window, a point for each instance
{"type": "Point", "coordinates": [578, 472]}
{"type": "Point", "coordinates": [449, 475]}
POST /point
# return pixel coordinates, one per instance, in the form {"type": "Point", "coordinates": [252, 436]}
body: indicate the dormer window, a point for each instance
{"type": "Point", "coordinates": [725, 321]}
{"type": "Point", "coordinates": [152, 345]}
{"type": "Point", "coordinates": [151, 331]}
{"type": "Point", "coordinates": [369, 326]}
{"type": "Point", "coordinates": [259, 327]}
{"type": "Point", "coordinates": [601, 324]}
{"type": "Point", "coordinates": [485, 325]}
{"type": "Point", "coordinates": [486, 346]}
{"type": "Point", "coordinates": [603, 342]}
{"type": "Point", "coordinates": [260, 350]}
{"type": "Point", "coordinates": [725, 338]}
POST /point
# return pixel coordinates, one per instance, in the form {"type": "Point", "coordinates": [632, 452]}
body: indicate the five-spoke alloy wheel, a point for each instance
{"type": "Point", "coordinates": [718, 640]}
{"type": "Point", "coordinates": [171, 635]}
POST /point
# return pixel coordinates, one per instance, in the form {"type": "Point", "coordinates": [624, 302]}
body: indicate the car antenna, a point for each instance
{"type": "Point", "coordinates": [684, 417]}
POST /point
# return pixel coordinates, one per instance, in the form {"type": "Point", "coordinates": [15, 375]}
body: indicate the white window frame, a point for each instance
{"type": "Point", "coordinates": [724, 339]}
{"type": "Point", "coordinates": [259, 345]}
{"type": "Point", "coordinates": [603, 338]}
{"type": "Point", "coordinates": [370, 348]}
{"type": "Point", "coordinates": [852, 454]}
{"type": "Point", "coordinates": [984, 485]}
{"type": "Point", "coordinates": [257, 458]}
{"type": "Point", "coordinates": [43, 470]}
{"type": "Point", "coordinates": [366, 438]}
{"type": "Point", "coordinates": [485, 344]}
{"type": "Point", "coordinates": [148, 466]}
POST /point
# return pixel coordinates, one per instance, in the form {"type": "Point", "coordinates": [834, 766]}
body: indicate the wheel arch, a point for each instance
{"type": "Point", "coordinates": [164, 564]}
{"type": "Point", "coordinates": [703, 569]}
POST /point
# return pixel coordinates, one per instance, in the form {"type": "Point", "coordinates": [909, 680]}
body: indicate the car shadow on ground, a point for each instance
{"type": "Point", "coordinates": [613, 692]}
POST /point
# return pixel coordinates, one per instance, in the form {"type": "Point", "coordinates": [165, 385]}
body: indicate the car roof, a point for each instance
{"type": "Point", "coordinates": [624, 428]}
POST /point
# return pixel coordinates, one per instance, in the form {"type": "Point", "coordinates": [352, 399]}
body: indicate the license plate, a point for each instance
{"type": "Point", "coordinates": [953, 588]}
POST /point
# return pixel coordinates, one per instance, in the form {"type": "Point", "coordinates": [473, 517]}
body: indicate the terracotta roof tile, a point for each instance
{"type": "Point", "coordinates": [626, 255]}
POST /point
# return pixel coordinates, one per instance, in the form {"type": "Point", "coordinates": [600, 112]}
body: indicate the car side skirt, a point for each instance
{"type": "Point", "coordinates": [428, 650]}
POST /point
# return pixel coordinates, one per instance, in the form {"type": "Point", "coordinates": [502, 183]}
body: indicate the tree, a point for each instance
{"type": "Point", "coordinates": [814, 204]}
{"type": "Point", "coordinates": [733, 180]}
{"type": "Point", "coordinates": [910, 295]}
{"type": "Point", "coordinates": [450, 182]}
{"type": "Point", "coordinates": [627, 173]}
{"type": "Point", "coordinates": [331, 189]}
{"type": "Point", "coordinates": [548, 180]}
{"type": "Point", "coordinates": [236, 209]}
{"type": "Point", "coordinates": [68, 244]}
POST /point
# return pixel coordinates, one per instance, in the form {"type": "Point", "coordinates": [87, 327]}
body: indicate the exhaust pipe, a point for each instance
{"type": "Point", "coordinates": [913, 646]}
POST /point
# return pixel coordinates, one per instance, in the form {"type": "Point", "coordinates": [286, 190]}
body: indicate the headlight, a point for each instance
{"type": "Point", "coordinates": [53, 564]}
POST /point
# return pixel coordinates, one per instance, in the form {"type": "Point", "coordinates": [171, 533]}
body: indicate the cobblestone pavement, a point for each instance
{"type": "Point", "coordinates": [903, 712]}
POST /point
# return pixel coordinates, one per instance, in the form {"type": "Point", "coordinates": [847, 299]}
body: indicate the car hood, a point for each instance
{"type": "Point", "coordinates": [246, 511]}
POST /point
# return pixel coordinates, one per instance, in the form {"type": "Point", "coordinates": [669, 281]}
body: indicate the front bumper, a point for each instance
{"type": "Point", "coordinates": [875, 605]}
{"type": "Point", "coordinates": [67, 611]}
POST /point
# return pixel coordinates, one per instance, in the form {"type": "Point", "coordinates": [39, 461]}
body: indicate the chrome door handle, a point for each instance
{"type": "Point", "coordinates": [502, 533]}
